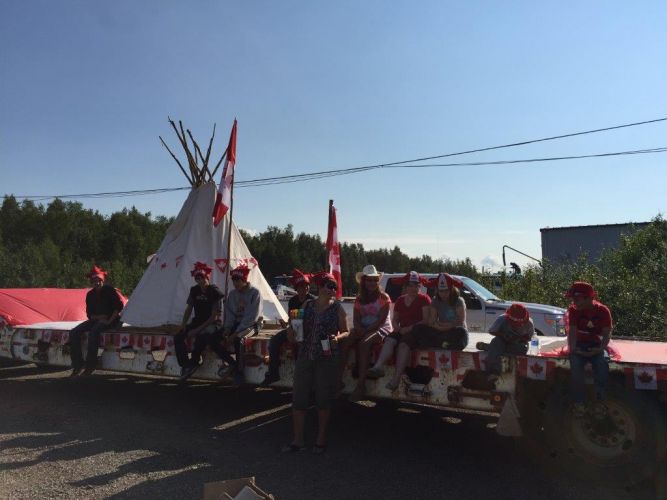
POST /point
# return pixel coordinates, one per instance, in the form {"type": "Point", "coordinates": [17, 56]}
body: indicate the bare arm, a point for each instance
{"type": "Point", "coordinates": [342, 326]}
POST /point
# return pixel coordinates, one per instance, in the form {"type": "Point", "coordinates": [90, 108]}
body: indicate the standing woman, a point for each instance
{"type": "Point", "coordinates": [372, 323]}
{"type": "Point", "coordinates": [410, 310]}
{"type": "Point", "coordinates": [316, 368]}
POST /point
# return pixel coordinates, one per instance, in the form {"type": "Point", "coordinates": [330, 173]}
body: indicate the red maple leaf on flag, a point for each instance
{"type": "Point", "coordinates": [444, 359]}
{"type": "Point", "coordinates": [536, 368]}
{"type": "Point", "coordinates": [645, 377]}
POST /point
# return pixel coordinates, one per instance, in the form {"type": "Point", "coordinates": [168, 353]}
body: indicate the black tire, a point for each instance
{"type": "Point", "coordinates": [625, 447]}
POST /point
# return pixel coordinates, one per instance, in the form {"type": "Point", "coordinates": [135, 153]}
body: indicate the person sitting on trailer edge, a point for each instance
{"type": "Point", "coordinates": [301, 283]}
{"type": "Point", "coordinates": [316, 368]}
{"type": "Point", "coordinates": [410, 309]}
{"type": "Point", "coordinates": [512, 331]}
{"type": "Point", "coordinates": [205, 299]}
{"type": "Point", "coordinates": [372, 323]}
{"type": "Point", "coordinates": [446, 326]}
{"type": "Point", "coordinates": [589, 332]}
{"type": "Point", "coordinates": [243, 310]}
{"type": "Point", "coordinates": [103, 307]}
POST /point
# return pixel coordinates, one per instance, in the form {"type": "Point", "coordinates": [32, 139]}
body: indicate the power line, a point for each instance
{"type": "Point", "coordinates": [322, 175]}
{"type": "Point", "coordinates": [286, 179]}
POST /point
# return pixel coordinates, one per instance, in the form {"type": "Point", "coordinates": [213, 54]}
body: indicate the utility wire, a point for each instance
{"type": "Point", "coordinates": [404, 164]}
{"type": "Point", "coordinates": [334, 173]}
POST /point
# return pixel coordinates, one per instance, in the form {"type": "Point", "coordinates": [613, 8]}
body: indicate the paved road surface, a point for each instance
{"type": "Point", "coordinates": [122, 436]}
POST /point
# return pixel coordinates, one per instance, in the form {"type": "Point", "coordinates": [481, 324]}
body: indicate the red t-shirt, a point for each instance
{"type": "Point", "coordinates": [409, 315]}
{"type": "Point", "coordinates": [589, 322]}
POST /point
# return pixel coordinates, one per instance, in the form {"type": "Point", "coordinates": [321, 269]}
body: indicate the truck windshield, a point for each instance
{"type": "Point", "coordinates": [479, 290]}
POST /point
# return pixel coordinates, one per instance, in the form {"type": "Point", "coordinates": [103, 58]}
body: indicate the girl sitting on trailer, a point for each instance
{"type": "Point", "coordinates": [372, 323]}
{"type": "Point", "coordinates": [411, 309]}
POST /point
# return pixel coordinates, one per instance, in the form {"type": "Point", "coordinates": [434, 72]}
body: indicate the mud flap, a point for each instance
{"type": "Point", "coordinates": [508, 423]}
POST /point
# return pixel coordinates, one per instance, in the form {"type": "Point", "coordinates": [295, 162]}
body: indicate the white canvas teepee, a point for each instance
{"type": "Point", "coordinates": [160, 297]}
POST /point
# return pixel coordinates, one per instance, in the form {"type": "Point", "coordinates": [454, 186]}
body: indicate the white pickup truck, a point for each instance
{"type": "Point", "coordinates": [483, 307]}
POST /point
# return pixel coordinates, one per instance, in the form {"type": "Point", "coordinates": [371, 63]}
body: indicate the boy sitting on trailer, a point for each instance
{"type": "Point", "coordinates": [512, 331]}
{"type": "Point", "coordinates": [589, 332]}
{"type": "Point", "coordinates": [103, 307]}
{"type": "Point", "coordinates": [243, 309]}
{"type": "Point", "coordinates": [205, 298]}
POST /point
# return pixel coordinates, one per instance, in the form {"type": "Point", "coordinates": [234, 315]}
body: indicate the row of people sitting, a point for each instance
{"type": "Point", "coordinates": [243, 309]}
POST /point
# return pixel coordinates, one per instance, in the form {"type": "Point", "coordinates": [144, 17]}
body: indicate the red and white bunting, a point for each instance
{"type": "Point", "coordinates": [159, 342]}
{"type": "Point", "coordinates": [147, 342]}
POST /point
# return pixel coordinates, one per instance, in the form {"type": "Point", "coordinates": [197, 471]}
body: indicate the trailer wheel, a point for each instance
{"type": "Point", "coordinates": [624, 446]}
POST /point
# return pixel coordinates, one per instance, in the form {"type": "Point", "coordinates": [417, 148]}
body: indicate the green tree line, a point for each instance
{"type": "Point", "coordinates": [55, 245]}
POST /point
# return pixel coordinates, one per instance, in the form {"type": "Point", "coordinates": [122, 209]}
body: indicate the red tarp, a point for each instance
{"type": "Point", "coordinates": [26, 306]}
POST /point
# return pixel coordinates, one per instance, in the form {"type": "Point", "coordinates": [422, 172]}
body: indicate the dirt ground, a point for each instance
{"type": "Point", "coordinates": [120, 436]}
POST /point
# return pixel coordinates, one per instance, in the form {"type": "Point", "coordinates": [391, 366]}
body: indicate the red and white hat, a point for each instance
{"type": "Point", "coordinates": [517, 314]}
{"type": "Point", "coordinates": [581, 288]}
{"type": "Point", "coordinates": [445, 281]}
{"type": "Point", "coordinates": [241, 271]}
{"type": "Point", "coordinates": [298, 277]}
{"type": "Point", "coordinates": [410, 278]}
{"type": "Point", "coordinates": [201, 269]}
{"type": "Point", "coordinates": [97, 272]}
{"type": "Point", "coordinates": [322, 278]}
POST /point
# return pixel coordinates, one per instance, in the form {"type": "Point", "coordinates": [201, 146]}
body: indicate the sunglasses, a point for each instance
{"type": "Point", "coordinates": [237, 278]}
{"type": "Point", "coordinates": [331, 286]}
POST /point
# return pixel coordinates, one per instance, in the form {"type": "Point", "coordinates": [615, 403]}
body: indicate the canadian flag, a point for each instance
{"type": "Point", "coordinates": [447, 361]}
{"type": "Point", "coordinates": [646, 378]}
{"type": "Point", "coordinates": [125, 340]}
{"type": "Point", "coordinates": [147, 342]}
{"type": "Point", "coordinates": [535, 368]}
{"type": "Point", "coordinates": [159, 342]}
{"type": "Point", "coordinates": [46, 336]}
{"type": "Point", "coordinates": [223, 200]}
{"type": "Point", "coordinates": [333, 250]}
{"type": "Point", "coordinates": [64, 337]}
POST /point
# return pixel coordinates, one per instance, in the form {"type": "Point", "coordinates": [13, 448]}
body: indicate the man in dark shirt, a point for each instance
{"type": "Point", "coordinates": [301, 283]}
{"type": "Point", "coordinates": [205, 299]}
{"type": "Point", "coordinates": [103, 306]}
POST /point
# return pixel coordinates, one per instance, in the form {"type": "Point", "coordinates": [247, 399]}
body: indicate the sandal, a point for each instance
{"type": "Point", "coordinates": [374, 373]}
{"type": "Point", "coordinates": [319, 449]}
{"type": "Point", "coordinates": [292, 448]}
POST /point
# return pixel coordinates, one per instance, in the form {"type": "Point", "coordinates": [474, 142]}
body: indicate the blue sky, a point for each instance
{"type": "Point", "coordinates": [86, 87]}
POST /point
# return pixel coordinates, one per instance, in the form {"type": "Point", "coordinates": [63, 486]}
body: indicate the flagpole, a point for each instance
{"type": "Point", "coordinates": [328, 229]}
{"type": "Point", "coordinates": [229, 235]}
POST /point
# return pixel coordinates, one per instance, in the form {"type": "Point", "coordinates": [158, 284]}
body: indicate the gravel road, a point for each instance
{"type": "Point", "coordinates": [121, 436]}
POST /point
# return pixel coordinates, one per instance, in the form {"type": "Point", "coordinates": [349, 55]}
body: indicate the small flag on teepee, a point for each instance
{"type": "Point", "coordinates": [223, 199]}
{"type": "Point", "coordinates": [333, 249]}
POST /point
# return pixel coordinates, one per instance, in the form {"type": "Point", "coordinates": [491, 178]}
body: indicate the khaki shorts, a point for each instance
{"type": "Point", "coordinates": [319, 376]}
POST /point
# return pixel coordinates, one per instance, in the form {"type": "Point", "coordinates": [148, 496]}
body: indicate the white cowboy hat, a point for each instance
{"type": "Point", "coordinates": [368, 270]}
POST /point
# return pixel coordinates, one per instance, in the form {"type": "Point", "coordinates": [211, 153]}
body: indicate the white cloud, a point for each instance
{"type": "Point", "coordinates": [490, 262]}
